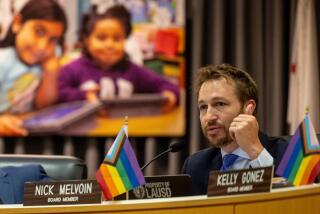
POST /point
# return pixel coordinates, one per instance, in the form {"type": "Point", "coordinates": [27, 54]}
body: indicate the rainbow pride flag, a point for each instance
{"type": "Point", "coordinates": [301, 161]}
{"type": "Point", "coordinates": [120, 171]}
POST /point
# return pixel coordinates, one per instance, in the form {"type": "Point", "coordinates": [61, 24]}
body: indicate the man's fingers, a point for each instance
{"type": "Point", "coordinates": [242, 118]}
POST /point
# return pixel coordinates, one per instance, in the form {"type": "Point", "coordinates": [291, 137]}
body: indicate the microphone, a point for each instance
{"type": "Point", "coordinates": [175, 147]}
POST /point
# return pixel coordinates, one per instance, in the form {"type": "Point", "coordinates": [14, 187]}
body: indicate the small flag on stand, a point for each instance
{"type": "Point", "coordinates": [301, 162]}
{"type": "Point", "coordinates": [120, 171]}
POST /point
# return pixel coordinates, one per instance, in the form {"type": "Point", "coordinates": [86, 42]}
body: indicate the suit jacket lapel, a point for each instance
{"type": "Point", "coordinates": [6, 188]}
{"type": "Point", "coordinates": [216, 161]}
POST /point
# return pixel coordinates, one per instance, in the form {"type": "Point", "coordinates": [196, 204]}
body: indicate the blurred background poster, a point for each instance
{"type": "Point", "coordinates": [157, 42]}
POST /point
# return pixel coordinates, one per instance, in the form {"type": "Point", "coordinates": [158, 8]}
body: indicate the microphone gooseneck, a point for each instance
{"type": "Point", "coordinates": [155, 158]}
{"type": "Point", "coordinates": [175, 147]}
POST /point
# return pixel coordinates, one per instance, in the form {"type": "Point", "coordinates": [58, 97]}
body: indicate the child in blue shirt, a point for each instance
{"type": "Point", "coordinates": [28, 65]}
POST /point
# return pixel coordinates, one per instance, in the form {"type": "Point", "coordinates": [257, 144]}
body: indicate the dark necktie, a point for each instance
{"type": "Point", "coordinates": [228, 160]}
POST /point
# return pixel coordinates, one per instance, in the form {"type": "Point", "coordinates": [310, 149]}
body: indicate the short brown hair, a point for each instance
{"type": "Point", "coordinates": [246, 88]}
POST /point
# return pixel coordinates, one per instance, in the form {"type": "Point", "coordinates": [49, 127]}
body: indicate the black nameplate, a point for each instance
{"type": "Point", "coordinates": [161, 187]}
{"type": "Point", "coordinates": [61, 192]}
{"type": "Point", "coordinates": [240, 181]}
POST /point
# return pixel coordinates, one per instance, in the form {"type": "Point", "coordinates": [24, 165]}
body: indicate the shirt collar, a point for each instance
{"type": "Point", "coordinates": [238, 152]}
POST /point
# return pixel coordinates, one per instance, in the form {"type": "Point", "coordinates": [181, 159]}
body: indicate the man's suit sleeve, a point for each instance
{"type": "Point", "coordinates": [275, 146]}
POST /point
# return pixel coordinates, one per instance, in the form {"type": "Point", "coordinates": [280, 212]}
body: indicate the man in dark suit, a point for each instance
{"type": "Point", "coordinates": [12, 181]}
{"type": "Point", "coordinates": [227, 101]}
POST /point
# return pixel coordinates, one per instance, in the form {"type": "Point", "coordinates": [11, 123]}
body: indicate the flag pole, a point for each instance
{"type": "Point", "coordinates": [126, 131]}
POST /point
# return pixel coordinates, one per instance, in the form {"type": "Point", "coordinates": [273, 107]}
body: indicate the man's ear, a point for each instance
{"type": "Point", "coordinates": [17, 24]}
{"type": "Point", "coordinates": [249, 107]}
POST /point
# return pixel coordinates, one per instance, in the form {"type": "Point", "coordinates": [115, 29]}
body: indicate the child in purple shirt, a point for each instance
{"type": "Point", "coordinates": [104, 71]}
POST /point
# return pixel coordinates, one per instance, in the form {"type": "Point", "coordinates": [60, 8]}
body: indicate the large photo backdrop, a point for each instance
{"type": "Point", "coordinates": [156, 44]}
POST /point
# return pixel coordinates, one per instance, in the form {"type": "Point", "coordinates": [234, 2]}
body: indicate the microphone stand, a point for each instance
{"type": "Point", "coordinates": [156, 157]}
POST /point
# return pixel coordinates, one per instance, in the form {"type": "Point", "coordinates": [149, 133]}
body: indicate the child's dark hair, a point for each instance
{"type": "Point", "coordinates": [118, 12]}
{"type": "Point", "coordinates": [35, 9]}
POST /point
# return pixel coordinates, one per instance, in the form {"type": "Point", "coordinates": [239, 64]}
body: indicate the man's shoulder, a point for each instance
{"type": "Point", "coordinates": [199, 164]}
{"type": "Point", "coordinates": [270, 141]}
{"type": "Point", "coordinates": [23, 169]}
{"type": "Point", "coordinates": [276, 146]}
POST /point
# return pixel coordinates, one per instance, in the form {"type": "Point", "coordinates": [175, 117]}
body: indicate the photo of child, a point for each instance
{"type": "Point", "coordinates": [104, 70]}
{"type": "Point", "coordinates": [28, 65]}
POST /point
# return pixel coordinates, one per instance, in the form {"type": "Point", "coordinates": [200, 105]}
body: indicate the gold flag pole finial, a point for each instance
{"type": "Point", "coordinates": [307, 110]}
{"type": "Point", "coordinates": [126, 125]}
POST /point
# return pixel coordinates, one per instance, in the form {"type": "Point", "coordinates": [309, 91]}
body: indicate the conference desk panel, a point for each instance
{"type": "Point", "coordinates": [287, 200]}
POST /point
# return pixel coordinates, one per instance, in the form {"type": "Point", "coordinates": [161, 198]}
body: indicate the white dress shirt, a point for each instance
{"type": "Point", "coordinates": [244, 162]}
